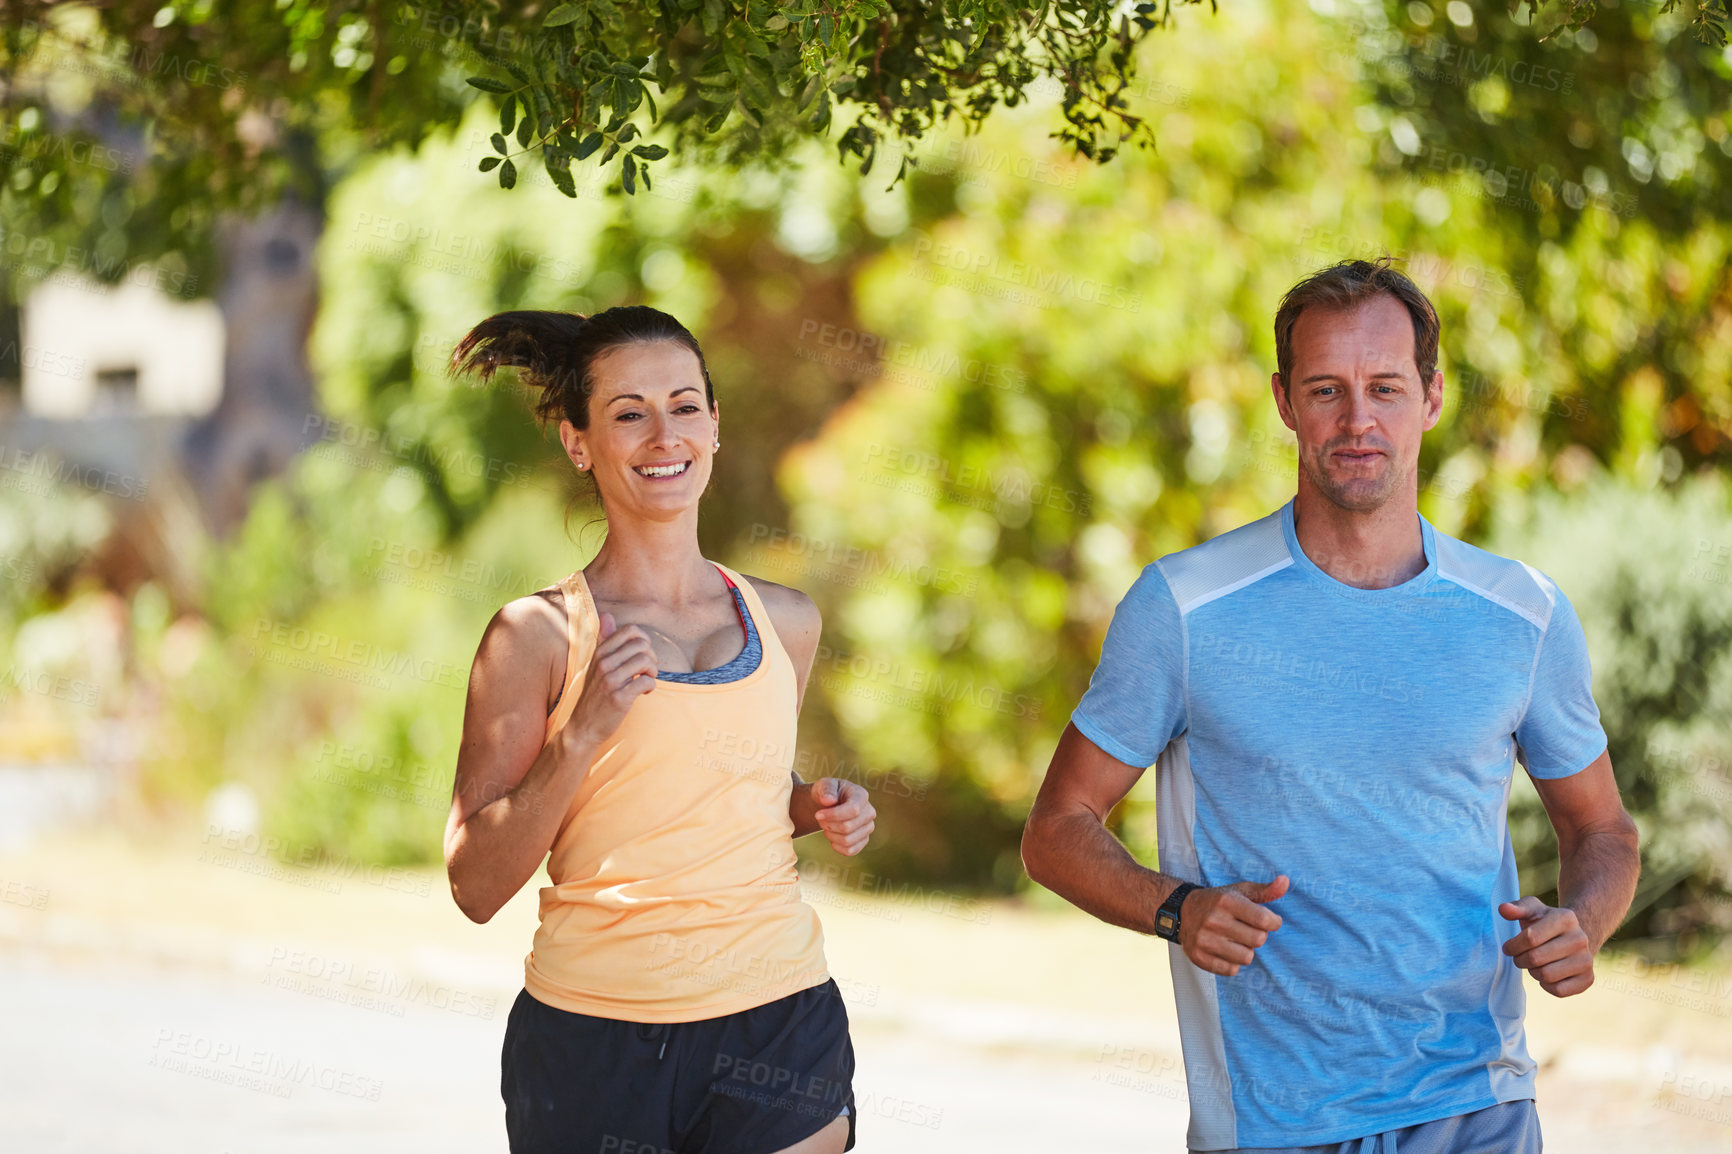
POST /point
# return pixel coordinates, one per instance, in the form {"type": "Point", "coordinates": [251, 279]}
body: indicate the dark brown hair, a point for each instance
{"type": "Point", "coordinates": [1349, 283]}
{"type": "Point", "coordinates": [556, 352]}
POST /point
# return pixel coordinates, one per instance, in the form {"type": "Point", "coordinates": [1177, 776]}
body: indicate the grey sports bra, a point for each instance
{"type": "Point", "coordinates": [741, 666]}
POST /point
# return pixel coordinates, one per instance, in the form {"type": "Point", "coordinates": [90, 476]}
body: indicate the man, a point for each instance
{"type": "Point", "coordinates": [1335, 697]}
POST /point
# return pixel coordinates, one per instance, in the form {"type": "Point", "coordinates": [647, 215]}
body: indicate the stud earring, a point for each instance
{"type": "Point", "coordinates": [583, 465]}
{"type": "Point", "coordinates": [718, 442]}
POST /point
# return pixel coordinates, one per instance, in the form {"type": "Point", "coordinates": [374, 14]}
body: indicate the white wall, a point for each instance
{"type": "Point", "coordinates": [73, 329]}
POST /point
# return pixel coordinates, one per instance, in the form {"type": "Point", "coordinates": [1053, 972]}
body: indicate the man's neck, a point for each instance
{"type": "Point", "coordinates": [1370, 550]}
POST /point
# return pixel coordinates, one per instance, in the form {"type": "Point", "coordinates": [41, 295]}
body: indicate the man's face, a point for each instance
{"type": "Point", "coordinates": [1356, 402]}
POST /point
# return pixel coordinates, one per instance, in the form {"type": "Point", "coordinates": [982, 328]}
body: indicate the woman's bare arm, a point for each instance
{"type": "Point", "coordinates": [841, 809]}
{"type": "Point", "coordinates": [797, 623]}
{"type": "Point", "coordinates": [512, 790]}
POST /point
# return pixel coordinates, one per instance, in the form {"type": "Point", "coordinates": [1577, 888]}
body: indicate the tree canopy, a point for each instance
{"type": "Point", "coordinates": [128, 125]}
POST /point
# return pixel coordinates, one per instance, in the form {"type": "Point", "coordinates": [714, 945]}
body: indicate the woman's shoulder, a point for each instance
{"type": "Point", "coordinates": [794, 614]}
{"type": "Point", "coordinates": [778, 596]}
{"type": "Point", "coordinates": [529, 633]}
{"type": "Point", "coordinates": [535, 612]}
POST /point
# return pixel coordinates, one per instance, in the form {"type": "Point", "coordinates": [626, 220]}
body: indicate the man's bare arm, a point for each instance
{"type": "Point", "coordinates": [1067, 848]}
{"type": "Point", "coordinates": [1599, 860]}
{"type": "Point", "coordinates": [1598, 848]}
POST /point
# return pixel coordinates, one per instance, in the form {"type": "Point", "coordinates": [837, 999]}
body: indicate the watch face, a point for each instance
{"type": "Point", "coordinates": [1165, 922]}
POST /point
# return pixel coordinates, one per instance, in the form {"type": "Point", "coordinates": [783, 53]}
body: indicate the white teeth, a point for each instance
{"type": "Point", "coordinates": [661, 470]}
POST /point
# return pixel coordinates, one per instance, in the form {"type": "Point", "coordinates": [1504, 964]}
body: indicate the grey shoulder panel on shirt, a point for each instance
{"type": "Point", "coordinates": [1227, 563]}
{"type": "Point", "coordinates": [1505, 581]}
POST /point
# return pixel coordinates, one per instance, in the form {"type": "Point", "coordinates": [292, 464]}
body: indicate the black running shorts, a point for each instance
{"type": "Point", "coordinates": [753, 1082]}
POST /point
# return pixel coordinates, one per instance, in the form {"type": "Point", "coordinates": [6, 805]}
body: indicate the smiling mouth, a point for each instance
{"type": "Point", "coordinates": [661, 471]}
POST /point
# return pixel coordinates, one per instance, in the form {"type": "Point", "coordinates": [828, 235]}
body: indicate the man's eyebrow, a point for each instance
{"type": "Point", "coordinates": [639, 397]}
{"type": "Point", "coordinates": [1379, 375]}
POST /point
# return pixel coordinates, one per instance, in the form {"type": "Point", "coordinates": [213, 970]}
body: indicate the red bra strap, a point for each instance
{"type": "Point", "coordinates": [737, 611]}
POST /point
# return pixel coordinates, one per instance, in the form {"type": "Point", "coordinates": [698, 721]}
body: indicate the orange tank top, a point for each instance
{"type": "Point", "coordinates": [674, 894]}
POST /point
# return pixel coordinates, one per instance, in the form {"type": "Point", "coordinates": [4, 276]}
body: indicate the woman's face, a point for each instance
{"type": "Point", "coordinates": [650, 435]}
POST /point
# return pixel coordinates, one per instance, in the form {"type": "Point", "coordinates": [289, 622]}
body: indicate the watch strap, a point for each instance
{"type": "Point", "coordinates": [1167, 917]}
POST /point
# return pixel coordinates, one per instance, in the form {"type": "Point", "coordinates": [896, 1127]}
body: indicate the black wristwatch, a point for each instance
{"type": "Point", "coordinates": [1167, 917]}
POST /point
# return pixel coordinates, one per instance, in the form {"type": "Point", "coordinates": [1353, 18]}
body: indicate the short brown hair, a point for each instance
{"type": "Point", "coordinates": [1349, 283]}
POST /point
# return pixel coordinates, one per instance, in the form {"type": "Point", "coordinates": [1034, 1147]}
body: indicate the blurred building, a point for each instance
{"type": "Point", "coordinates": [89, 350]}
{"type": "Point", "coordinates": [176, 407]}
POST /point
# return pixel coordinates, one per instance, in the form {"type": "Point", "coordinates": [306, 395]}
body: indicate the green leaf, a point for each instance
{"type": "Point", "coordinates": [524, 131]}
{"type": "Point", "coordinates": [489, 163]}
{"type": "Point", "coordinates": [507, 175]}
{"type": "Point", "coordinates": [761, 82]}
{"type": "Point", "coordinates": [499, 144]}
{"type": "Point", "coordinates": [488, 84]}
{"type": "Point", "coordinates": [811, 90]}
{"type": "Point", "coordinates": [564, 14]}
{"type": "Point", "coordinates": [508, 114]}
{"type": "Point", "coordinates": [630, 174]}
{"type": "Point", "coordinates": [589, 145]}
{"type": "Point", "coordinates": [901, 171]}
{"type": "Point", "coordinates": [650, 151]}
{"type": "Point", "coordinates": [776, 23]}
{"type": "Point", "coordinates": [559, 172]}
{"type": "Point", "coordinates": [754, 43]}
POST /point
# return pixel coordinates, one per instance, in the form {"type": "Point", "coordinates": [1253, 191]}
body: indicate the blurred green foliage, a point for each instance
{"type": "Point", "coordinates": [1121, 319]}
{"type": "Point", "coordinates": [1649, 572]}
{"type": "Point", "coordinates": [962, 412]}
{"type": "Point", "coordinates": [342, 628]}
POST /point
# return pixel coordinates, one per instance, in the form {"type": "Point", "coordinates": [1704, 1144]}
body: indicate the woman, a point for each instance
{"type": "Point", "coordinates": [618, 724]}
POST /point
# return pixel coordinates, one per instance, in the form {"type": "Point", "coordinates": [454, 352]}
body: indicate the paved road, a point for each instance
{"type": "Point", "coordinates": [132, 1056]}
{"type": "Point", "coordinates": [162, 1062]}
{"type": "Point", "coordinates": [152, 1000]}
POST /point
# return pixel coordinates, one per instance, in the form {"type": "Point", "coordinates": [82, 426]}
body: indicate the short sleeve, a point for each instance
{"type": "Point", "coordinates": [1560, 734]}
{"type": "Point", "coordinates": [1135, 702]}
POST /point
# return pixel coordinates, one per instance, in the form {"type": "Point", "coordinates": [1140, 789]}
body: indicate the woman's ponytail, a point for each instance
{"type": "Point", "coordinates": [542, 346]}
{"type": "Point", "coordinates": [555, 351]}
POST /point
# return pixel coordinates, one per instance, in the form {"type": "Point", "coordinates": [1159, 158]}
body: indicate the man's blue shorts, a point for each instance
{"type": "Point", "coordinates": [1506, 1128]}
{"type": "Point", "coordinates": [753, 1082]}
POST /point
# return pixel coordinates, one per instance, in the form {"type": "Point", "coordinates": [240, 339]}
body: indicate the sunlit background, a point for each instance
{"type": "Point", "coordinates": [250, 534]}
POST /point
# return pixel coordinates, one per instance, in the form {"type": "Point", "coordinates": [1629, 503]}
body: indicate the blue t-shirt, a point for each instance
{"type": "Point", "coordinates": [1361, 741]}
